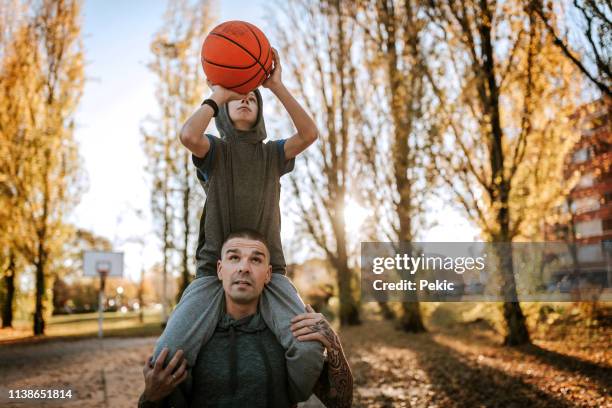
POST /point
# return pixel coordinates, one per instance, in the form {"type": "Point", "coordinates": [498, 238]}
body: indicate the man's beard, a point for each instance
{"type": "Point", "coordinates": [243, 297]}
{"type": "Point", "coordinates": [240, 296]}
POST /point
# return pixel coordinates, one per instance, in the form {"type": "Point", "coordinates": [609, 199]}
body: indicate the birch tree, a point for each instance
{"type": "Point", "coordinates": [395, 155]}
{"type": "Point", "coordinates": [175, 198]}
{"type": "Point", "coordinates": [320, 65]}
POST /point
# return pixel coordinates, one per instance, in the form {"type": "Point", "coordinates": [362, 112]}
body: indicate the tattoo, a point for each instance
{"type": "Point", "coordinates": [335, 385]}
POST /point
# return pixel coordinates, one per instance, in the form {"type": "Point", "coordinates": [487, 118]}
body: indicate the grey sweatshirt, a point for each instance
{"type": "Point", "coordinates": [242, 365]}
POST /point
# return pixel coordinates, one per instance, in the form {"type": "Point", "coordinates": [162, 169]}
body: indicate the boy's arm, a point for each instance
{"type": "Point", "coordinates": [192, 134]}
{"type": "Point", "coordinates": [307, 131]}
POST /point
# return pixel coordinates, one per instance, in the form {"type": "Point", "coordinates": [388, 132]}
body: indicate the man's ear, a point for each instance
{"type": "Point", "coordinates": [219, 269]}
{"type": "Point", "coordinates": [269, 274]}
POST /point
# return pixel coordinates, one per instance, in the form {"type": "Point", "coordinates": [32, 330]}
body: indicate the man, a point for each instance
{"type": "Point", "coordinates": [243, 364]}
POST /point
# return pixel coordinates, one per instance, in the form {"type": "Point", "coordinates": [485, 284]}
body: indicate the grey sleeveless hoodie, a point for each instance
{"type": "Point", "coordinates": [241, 178]}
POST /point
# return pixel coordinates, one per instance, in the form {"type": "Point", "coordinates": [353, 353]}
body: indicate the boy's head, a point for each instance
{"type": "Point", "coordinates": [244, 267]}
{"type": "Point", "coordinates": [243, 112]}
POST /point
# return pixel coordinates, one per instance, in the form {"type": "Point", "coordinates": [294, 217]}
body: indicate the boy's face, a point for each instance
{"type": "Point", "coordinates": [243, 113]}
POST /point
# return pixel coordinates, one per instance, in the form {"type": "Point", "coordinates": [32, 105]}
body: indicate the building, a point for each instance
{"type": "Point", "coordinates": [586, 216]}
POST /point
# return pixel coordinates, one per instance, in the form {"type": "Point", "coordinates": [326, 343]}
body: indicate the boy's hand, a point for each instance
{"type": "Point", "coordinates": [222, 95]}
{"type": "Point", "coordinates": [274, 81]}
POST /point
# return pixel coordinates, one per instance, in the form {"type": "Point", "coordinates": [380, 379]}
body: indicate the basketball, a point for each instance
{"type": "Point", "coordinates": [237, 56]}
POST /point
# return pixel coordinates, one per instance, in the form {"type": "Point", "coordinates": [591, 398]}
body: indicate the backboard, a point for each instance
{"type": "Point", "coordinates": [96, 262]}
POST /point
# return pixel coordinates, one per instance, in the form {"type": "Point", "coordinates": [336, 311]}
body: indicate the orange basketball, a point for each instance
{"type": "Point", "coordinates": [237, 56]}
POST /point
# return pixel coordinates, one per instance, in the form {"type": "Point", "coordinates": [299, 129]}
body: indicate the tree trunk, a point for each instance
{"type": "Point", "coordinates": [166, 235]}
{"type": "Point", "coordinates": [387, 312]}
{"type": "Point", "coordinates": [411, 320]}
{"type": "Point", "coordinates": [39, 320]}
{"type": "Point", "coordinates": [515, 320]}
{"type": "Point", "coordinates": [517, 333]}
{"type": "Point", "coordinates": [186, 229]}
{"type": "Point", "coordinates": [349, 310]}
{"type": "Point", "coordinates": [9, 283]}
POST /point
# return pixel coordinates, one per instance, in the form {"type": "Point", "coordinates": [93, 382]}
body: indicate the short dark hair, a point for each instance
{"type": "Point", "coordinates": [247, 234]}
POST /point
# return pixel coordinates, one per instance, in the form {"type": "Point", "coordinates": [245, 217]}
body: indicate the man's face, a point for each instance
{"type": "Point", "coordinates": [243, 113]}
{"type": "Point", "coordinates": [244, 269]}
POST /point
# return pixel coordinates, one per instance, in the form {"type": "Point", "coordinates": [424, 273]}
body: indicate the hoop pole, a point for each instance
{"type": "Point", "coordinates": [101, 303]}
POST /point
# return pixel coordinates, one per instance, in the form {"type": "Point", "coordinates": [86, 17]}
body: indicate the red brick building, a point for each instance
{"type": "Point", "coordinates": [587, 212]}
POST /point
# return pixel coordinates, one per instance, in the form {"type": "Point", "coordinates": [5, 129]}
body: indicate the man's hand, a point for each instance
{"type": "Point", "coordinates": [274, 81]}
{"type": "Point", "coordinates": [159, 381]}
{"type": "Point", "coordinates": [313, 326]}
{"type": "Point", "coordinates": [222, 95]}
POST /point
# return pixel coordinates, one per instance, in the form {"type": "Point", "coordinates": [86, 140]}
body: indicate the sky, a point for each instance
{"type": "Point", "coordinates": [118, 96]}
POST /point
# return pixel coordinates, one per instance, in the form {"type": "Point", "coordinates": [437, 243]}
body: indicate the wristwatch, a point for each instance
{"type": "Point", "coordinates": [213, 105]}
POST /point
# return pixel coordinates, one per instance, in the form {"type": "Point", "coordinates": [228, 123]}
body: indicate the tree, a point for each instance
{"type": "Point", "coordinates": [393, 33]}
{"type": "Point", "coordinates": [13, 156]}
{"type": "Point", "coordinates": [595, 36]}
{"type": "Point", "coordinates": [43, 76]}
{"type": "Point", "coordinates": [321, 64]}
{"type": "Point", "coordinates": [176, 64]}
{"type": "Point", "coordinates": [506, 95]}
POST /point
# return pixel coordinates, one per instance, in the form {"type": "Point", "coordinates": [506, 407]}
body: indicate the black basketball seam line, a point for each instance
{"type": "Point", "coordinates": [245, 50]}
{"type": "Point", "coordinates": [267, 58]}
{"type": "Point", "coordinates": [233, 67]}
{"type": "Point", "coordinates": [248, 80]}
{"type": "Point", "coordinates": [228, 66]}
{"type": "Point", "coordinates": [256, 39]}
{"type": "Point", "coordinates": [236, 86]}
{"type": "Point", "coordinates": [258, 71]}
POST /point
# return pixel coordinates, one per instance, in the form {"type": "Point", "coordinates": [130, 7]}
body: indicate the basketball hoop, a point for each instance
{"type": "Point", "coordinates": [103, 268]}
{"type": "Point", "coordinates": [102, 264]}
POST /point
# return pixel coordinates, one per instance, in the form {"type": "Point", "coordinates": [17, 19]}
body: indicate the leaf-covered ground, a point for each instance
{"type": "Point", "coordinates": [460, 366]}
{"type": "Point", "coordinates": [467, 367]}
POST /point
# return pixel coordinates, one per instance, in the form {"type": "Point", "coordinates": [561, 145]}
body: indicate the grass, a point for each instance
{"type": "Point", "coordinates": [115, 324]}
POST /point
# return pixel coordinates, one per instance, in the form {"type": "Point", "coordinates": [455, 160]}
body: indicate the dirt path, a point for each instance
{"type": "Point", "coordinates": [105, 373]}
{"type": "Point", "coordinates": [464, 368]}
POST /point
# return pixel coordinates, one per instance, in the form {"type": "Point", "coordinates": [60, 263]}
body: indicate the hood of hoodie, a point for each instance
{"type": "Point", "coordinates": [249, 324]}
{"type": "Point", "coordinates": [228, 132]}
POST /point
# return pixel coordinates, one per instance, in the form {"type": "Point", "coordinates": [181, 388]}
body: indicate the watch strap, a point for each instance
{"type": "Point", "coordinates": [213, 105]}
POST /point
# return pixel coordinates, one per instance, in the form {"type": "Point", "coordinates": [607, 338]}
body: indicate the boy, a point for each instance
{"type": "Point", "coordinates": [241, 177]}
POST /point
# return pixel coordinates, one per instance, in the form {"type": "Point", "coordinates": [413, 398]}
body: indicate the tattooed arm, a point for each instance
{"type": "Point", "coordinates": [335, 386]}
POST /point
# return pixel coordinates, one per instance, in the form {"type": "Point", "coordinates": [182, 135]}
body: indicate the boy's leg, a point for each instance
{"type": "Point", "coordinates": [193, 321]}
{"type": "Point", "coordinates": [279, 303]}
